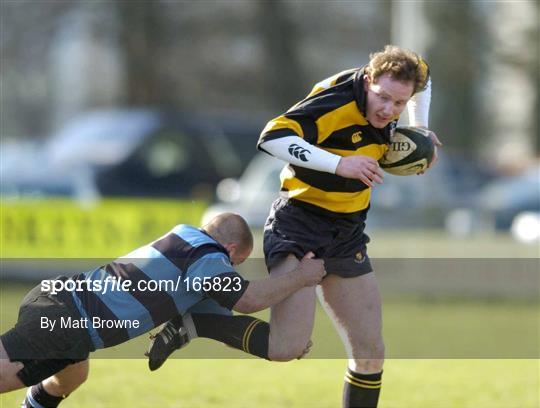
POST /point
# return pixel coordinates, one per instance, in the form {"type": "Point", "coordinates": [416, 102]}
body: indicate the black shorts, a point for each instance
{"type": "Point", "coordinates": [293, 228]}
{"type": "Point", "coordinates": [44, 352]}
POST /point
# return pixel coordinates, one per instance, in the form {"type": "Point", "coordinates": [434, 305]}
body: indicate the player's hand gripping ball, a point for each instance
{"type": "Point", "coordinates": [410, 151]}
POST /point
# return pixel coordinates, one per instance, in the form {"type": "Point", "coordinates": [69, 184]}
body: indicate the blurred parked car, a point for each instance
{"type": "Point", "coordinates": [506, 197]}
{"type": "Point", "coordinates": [132, 152]}
{"type": "Point", "coordinates": [400, 202]}
{"type": "Point", "coordinates": [252, 194]}
{"type": "Point", "coordinates": [26, 171]}
{"type": "Point", "coordinates": [506, 203]}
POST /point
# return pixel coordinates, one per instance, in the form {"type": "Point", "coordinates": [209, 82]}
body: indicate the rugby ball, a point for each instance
{"type": "Point", "coordinates": [410, 151]}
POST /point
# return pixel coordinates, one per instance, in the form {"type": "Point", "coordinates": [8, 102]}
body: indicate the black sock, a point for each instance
{"type": "Point", "coordinates": [245, 333]}
{"type": "Point", "coordinates": [361, 390]}
{"type": "Point", "coordinates": [37, 394]}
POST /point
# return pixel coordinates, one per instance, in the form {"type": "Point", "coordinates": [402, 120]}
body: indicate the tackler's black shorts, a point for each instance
{"type": "Point", "coordinates": [43, 351]}
{"type": "Point", "coordinates": [294, 228]}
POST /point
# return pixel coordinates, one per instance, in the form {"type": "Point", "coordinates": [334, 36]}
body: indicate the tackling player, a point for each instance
{"type": "Point", "coordinates": [52, 360]}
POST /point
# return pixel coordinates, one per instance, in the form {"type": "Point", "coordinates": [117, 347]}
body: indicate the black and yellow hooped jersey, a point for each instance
{"type": "Point", "coordinates": [331, 117]}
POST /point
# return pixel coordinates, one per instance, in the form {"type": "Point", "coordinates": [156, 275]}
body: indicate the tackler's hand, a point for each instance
{"type": "Point", "coordinates": [311, 269]}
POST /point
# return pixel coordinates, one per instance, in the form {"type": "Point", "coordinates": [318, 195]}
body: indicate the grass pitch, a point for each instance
{"type": "Point", "coordinates": [413, 327]}
{"type": "Point", "coordinates": [308, 383]}
{"type": "Point", "coordinates": [229, 380]}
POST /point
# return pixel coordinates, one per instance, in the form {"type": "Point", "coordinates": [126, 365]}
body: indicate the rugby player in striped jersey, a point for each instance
{"type": "Point", "coordinates": [332, 141]}
{"type": "Point", "coordinates": [60, 324]}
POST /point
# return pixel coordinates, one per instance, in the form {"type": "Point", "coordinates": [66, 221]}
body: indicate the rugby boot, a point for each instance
{"type": "Point", "coordinates": [172, 337]}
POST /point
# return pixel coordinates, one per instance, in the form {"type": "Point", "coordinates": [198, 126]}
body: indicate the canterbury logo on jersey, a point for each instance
{"type": "Point", "coordinates": [299, 152]}
{"type": "Point", "coordinates": [356, 137]}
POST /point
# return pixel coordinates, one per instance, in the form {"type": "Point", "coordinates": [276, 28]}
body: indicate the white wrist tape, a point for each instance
{"type": "Point", "coordinates": [418, 107]}
{"type": "Point", "coordinates": [295, 150]}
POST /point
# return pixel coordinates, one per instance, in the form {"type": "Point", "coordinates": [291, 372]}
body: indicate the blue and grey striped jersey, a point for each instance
{"type": "Point", "coordinates": [155, 283]}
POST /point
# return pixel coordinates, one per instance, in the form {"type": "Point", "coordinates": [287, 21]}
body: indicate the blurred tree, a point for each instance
{"type": "Point", "coordinates": [485, 63]}
{"type": "Point", "coordinates": [510, 83]}
{"type": "Point", "coordinates": [283, 77]}
{"type": "Point", "coordinates": [533, 38]}
{"type": "Point", "coordinates": [84, 62]}
{"type": "Point", "coordinates": [26, 33]}
{"type": "Point", "coordinates": [454, 56]}
{"type": "Point", "coordinates": [140, 37]}
{"type": "Point", "coordinates": [536, 83]}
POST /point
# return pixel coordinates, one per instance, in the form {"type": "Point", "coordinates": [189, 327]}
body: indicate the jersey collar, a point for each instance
{"type": "Point", "coordinates": [360, 95]}
{"type": "Point", "coordinates": [220, 247]}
